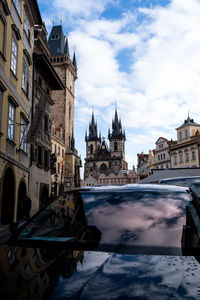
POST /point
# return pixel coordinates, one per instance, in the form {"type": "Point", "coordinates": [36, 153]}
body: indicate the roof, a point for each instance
{"type": "Point", "coordinates": [58, 43]}
{"type": "Point", "coordinates": [161, 138]}
{"type": "Point", "coordinates": [187, 122]}
{"type": "Point", "coordinates": [159, 174]}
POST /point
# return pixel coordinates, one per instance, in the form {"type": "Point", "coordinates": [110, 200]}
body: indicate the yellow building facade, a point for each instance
{"type": "Point", "coordinates": [185, 153]}
{"type": "Point", "coordinates": [17, 19]}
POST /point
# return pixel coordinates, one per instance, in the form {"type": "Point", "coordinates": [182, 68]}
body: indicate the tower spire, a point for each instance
{"type": "Point", "coordinates": [74, 61]}
{"type": "Point", "coordinates": [66, 50]}
{"type": "Point", "coordinates": [93, 128]}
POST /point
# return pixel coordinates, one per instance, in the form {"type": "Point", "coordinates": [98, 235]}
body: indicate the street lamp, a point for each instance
{"type": "Point", "coordinates": [55, 185]}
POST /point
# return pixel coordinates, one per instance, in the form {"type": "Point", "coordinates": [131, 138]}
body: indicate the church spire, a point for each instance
{"type": "Point", "coordinates": [116, 127]}
{"type": "Point", "coordinates": [93, 129]}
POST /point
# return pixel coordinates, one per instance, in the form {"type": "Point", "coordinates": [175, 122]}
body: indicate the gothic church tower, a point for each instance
{"type": "Point", "coordinates": [99, 157]}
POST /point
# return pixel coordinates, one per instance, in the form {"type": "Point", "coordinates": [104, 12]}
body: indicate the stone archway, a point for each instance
{"type": "Point", "coordinates": [44, 195]}
{"type": "Point", "coordinates": [8, 197]}
{"type": "Point", "coordinates": [21, 206]}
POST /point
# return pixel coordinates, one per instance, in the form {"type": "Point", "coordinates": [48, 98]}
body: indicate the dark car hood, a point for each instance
{"type": "Point", "coordinates": [115, 276]}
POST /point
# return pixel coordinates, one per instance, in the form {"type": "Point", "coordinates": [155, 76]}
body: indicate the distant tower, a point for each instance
{"type": "Point", "coordinates": [117, 141]}
{"type": "Point", "coordinates": [93, 143]}
{"type": "Point", "coordinates": [63, 109]}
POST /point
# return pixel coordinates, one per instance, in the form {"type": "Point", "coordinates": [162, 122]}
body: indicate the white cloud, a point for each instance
{"type": "Point", "coordinates": [163, 80]}
{"type": "Point", "coordinates": [82, 8]}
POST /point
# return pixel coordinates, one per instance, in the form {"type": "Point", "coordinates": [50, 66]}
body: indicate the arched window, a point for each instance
{"type": "Point", "coordinates": [115, 147]}
{"type": "Point", "coordinates": [103, 167]}
{"type": "Point", "coordinates": [91, 149]}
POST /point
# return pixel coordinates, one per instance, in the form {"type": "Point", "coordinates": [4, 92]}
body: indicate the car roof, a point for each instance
{"type": "Point", "coordinates": [179, 178]}
{"type": "Point", "coordinates": [135, 187]}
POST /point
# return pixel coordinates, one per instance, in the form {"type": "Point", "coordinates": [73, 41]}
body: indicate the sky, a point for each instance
{"type": "Point", "coordinates": [143, 55]}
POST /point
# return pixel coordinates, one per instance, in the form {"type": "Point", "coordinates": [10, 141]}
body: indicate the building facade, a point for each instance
{"type": "Point", "coordinates": [185, 153]}
{"type": "Point", "coordinates": [45, 79]}
{"type": "Point", "coordinates": [162, 156]}
{"type": "Point", "coordinates": [151, 161]}
{"type": "Point", "coordinates": [142, 165]}
{"type": "Point", "coordinates": [62, 112]}
{"type": "Point", "coordinates": [101, 159]}
{"type": "Point", "coordinates": [58, 149]}
{"type": "Point", "coordinates": [17, 19]}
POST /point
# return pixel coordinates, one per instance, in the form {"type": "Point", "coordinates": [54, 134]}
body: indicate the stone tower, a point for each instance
{"type": "Point", "coordinates": [63, 109]}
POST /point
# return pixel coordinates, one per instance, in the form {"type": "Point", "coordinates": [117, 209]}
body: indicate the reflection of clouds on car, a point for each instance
{"type": "Point", "coordinates": [138, 218]}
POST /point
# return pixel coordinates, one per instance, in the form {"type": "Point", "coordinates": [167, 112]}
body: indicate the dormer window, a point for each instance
{"type": "Point", "coordinates": [55, 36]}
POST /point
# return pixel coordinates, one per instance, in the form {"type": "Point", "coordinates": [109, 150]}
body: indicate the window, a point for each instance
{"type": "Point", "coordinates": [11, 121]}
{"type": "Point", "coordinates": [18, 6]}
{"type": "Point", "coordinates": [158, 157]}
{"type": "Point", "coordinates": [115, 147]}
{"type": "Point", "coordinates": [25, 77]}
{"type": "Point", "coordinates": [175, 159]}
{"type": "Point", "coordinates": [63, 153]}
{"type": "Point", "coordinates": [55, 149]}
{"type": "Point", "coordinates": [180, 135]}
{"type": "Point", "coordinates": [186, 133]}
{"type": "Point", "coordinates": [58, 150]}
{"type": "Point", "coordinates": [163, 155]}
{"type": "Point", "coordinates": [181, 158]}
{"type": "Point", "coordinates": [186, 156]}
{"type": "Point", "coordinates": [2, 90]}
{"type": "Point", "coordinates": [58, 168]}
{"type": "Point", "coordinates": [193, 155]}
{"type": "Point", "coordinates": [2, 34]}
{"type": "Point", "coordinates": [14, 54]}
{"type": "Point", "coordinates": [26, 25]}
{"type": "Point", "coordinates": [70, 113]}
{"type": "Point", "coordinates": [46, 123]}
{"type": "Point", "coordinates": [40, 153]}
{"type": "Point", "coordinates": [23, 134]}
{"type": "Point", "coordinates": [91, 149]}
{"type": "Point", "coordinates": [55, 36]}
{"type": "Point", "coordinates": [46, 159]}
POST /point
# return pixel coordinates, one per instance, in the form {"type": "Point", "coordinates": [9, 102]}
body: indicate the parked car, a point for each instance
{"type": "Point", "coordinates": [180, 181]}
{"type": "Point", "coordinates": [149, 247]}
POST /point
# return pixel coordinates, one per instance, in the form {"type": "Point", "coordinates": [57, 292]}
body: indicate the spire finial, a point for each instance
{"type": "Point", "coordinates": [53, 21]}
{"type": "Point", "coordinates": [61, 21]}
{"type": "Point", "coordinates": [188, 114]}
